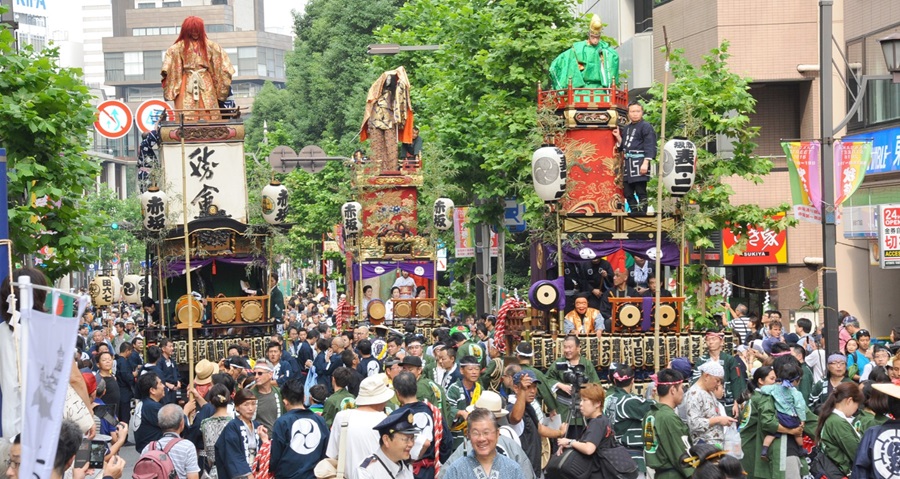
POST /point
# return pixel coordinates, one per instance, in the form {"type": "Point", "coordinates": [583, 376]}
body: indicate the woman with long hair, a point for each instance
{"type": "Point", "coordinates": [837, 438]}
{"type": "Point", "coordinates": [196, 72]}
{"type": "Point", "coordinates": [240, 440]}
{"type": "Point", "coordinates": [105, 364]}
{"type": "Point", "coordinates": [835, 374]}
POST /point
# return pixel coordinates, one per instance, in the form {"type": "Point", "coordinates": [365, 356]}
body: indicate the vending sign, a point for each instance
{"type": "Point", "coordinates": [889, 235]}
{"type": "Point", "coordinates": [764, 247]}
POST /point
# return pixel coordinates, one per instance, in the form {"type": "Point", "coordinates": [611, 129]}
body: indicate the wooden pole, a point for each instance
{"type": "Point", "coordinates": [659, 187]}
{"type": "Point", "coordinates": [187, 258]}
{"type": "Point", "coordinates": [560, 270]}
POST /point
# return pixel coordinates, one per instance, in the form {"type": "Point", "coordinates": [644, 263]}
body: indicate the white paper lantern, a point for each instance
{"type": "Point", "coordinates": [443, 213]}
{"type": "Point", "coordinates": [104, 290]}
{"type": "Point", "coordinates": [548, 172]}
{"type": "Point", "coordinates": [275, 203]}
{"type": "Point", "coordinates": [153, 208]}
{"type": "Point", "coordinates": [351, 212]}
{"type": "Point", "coordinates": [131, 288]}
{"type": "Point", "coordinates": [679, 166]}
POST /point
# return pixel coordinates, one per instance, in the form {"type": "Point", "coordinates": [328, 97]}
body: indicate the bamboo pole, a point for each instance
{"type": "Point", "coordinates": [659, 172]}
{"type": "Point", "coordinates": [187, 258]}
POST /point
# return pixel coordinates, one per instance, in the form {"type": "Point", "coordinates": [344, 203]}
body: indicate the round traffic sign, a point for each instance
{"type": "Point", "coordinates": [149, 113]}
{"type": "Point", "coordinates": [113, 119]}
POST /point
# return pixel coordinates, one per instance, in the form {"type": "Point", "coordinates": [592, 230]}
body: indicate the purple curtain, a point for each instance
{"type": "Point", "coordinates": [586, 251]}
{"type": "Point", "coordinates": [176, 268]}
{"type": "Point", "coordinates": [424, 269]}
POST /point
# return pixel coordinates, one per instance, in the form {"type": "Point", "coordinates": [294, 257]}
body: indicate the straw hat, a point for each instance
{"type": "Point", "coordinates": [204, 371]}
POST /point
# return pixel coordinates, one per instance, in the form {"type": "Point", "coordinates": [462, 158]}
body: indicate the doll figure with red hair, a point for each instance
{"type": "Point", "coordinates": [196, 73]}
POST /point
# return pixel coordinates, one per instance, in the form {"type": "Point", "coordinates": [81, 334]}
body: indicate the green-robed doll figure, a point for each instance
{"type": "Point", "coordinates": [590, 63]}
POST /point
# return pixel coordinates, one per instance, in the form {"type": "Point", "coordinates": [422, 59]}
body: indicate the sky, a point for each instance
{"type": "Point", "coordinates": [61, 12]}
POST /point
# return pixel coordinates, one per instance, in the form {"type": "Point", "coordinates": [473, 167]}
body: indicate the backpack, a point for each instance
{"type": "Point", "coordinates": [156, 463]}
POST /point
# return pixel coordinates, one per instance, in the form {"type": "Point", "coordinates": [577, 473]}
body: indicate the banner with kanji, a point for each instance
{"type": "Point", "coordinates": [803, 163]}
{"type": "Point", "coordinates": [764, 247]}
{"type": "Point", "coordinates": [851, 159]}
{"type": "Point", "coordinates": [216, 183]}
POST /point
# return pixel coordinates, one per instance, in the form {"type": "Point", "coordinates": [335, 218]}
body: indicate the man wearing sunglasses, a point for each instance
{"type": "Point", "coordinates": [269, 406]}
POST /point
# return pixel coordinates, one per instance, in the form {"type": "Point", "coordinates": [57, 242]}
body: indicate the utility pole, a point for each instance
{"type": "Point", "coordinates": [829, 228]}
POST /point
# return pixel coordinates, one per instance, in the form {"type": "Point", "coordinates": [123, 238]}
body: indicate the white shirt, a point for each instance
{"type": "Point", "coordinates": [362, 440]}
{"type": "Point", "coordinates": [816, 361]}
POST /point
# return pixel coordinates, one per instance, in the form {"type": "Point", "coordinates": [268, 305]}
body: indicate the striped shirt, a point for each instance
{"type": "Point", "coordinates": [183, 454]}
{"type": "Point", "coordinates": [741, 328]}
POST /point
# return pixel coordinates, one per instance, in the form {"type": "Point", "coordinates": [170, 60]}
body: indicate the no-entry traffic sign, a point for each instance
{"type": "Point", "coordinates": [113, 119]}
{"type": "Point", "coordinates": [149, 113]}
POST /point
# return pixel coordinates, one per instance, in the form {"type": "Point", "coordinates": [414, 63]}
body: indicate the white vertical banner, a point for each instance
{"type": "Point", "coordinates": [332, 293]}
{"type": "Point", "coordinates": [48, 346]}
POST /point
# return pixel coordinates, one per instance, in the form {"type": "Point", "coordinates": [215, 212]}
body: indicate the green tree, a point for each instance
{"type": "Point", "coordinates": [108, 209]}
{"type": "Point", "coordinates": [328, 74]}
{"type": "Point", "coordinates": [704, 102]}
{"type": "Point", "coordinates": [476, 96]}
{"type": "Point", "coordinates": [45, 113]}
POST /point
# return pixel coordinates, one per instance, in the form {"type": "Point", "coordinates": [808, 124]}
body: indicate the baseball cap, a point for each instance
{"type": "Point", "coordinates": [517, 378]}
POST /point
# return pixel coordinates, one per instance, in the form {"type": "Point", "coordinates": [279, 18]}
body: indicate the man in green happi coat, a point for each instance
{"type": "Point", "coordinates": [666, 436]}
{"type": "Point", "coordinates": [590, 63]}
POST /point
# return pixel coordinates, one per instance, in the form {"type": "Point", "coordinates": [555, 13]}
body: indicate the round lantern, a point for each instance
{"type": "Point", "coordinates": [275, 203]}
{"type": "Point", "coordinates": [443, 213]}
{"type": "Point", "coordinates": [104, 290]}
{"type": "Point", "coordinates": [153, 208]}
{"type": "Point", "coordinates": [548, 171]}
{"type": "Point", "coordinates": [679, 166]}
{"type": "Point", "coordinates": [351, 212]}
{"type": "Point", "coordinates": [131, 288]}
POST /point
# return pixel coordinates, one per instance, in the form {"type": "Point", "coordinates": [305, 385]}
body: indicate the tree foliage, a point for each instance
{"type": "Point", "coordinates": [703, 102]}
{"type": "Point", "coordinates": [328, 74]}
{"type": "Point", "coordinates": [107, 208]}
{"type": "Point", "coordinates": [45, 113]}
{"type": "Point", "coordinates": [476, 96]}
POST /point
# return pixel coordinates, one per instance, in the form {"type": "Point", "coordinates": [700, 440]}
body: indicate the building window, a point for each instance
{"type": "Point", "coordinates": [218, 28]}
{"type": "Point", "coordinates": [138, 32]}
{"type": "Point", "coordinates": [146, 5]}
{"type": "Point", "coordinates": [134, 64]}
{"type": "Point", "coordinates": [882, 100]}
{"type": "Point", "coordinates": [115, 66]}
{"type": "Point", "coordinates": [220, 2]}
{"type": "Point", "coordinates": [153, 64]}
{"type": "Point", "coordinates": [643, 16]}
{"type": "Point", "coordinates": [171, 4]}
{"type": "Point", "coordinates": [143, 93]}
{"type": "Point", "coordinates": [246, 61]}
{"type": "Point", "coordinates": [245, 89]}
{"type": "Point", "coordinates": [657, 3]}
{"type": "Point", "coordinates": [168, 30]}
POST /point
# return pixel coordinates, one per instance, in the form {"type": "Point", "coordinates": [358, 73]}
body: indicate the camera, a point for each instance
{"type": "Point", "coordinates": [574, 375]}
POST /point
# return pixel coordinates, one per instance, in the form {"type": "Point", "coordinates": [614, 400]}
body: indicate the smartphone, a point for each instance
{"type": "Point", "coordinates": [98, 452]}
{"type": "Point", "coordinates": [83, 455]}
{"type": "Point", "coordinates": [107, 412]}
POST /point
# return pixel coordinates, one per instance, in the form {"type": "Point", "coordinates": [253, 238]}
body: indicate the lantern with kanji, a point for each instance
{"type": "Point", "coordinates": [153, 207]}
{"type": "Point", "coordinates": [131, 288]}
{"type": "Point", "coordinates": [351, 212]}
{"type": "Point", "coordinates": [104, 290]}
{"type": "Point", "coordinates": [548, 172]}
{"type": "Point", "coordinates": [275, 203]}
{"type": "Point", "coordinates": [679, 166]}
{"type": "Point", "coordinates": [443, 213]}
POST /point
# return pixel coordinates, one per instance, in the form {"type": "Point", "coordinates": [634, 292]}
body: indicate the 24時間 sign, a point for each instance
{"type": "Point", "coordinates": [889, 235]}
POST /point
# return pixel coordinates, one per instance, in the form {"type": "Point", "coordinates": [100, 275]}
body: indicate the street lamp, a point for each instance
{"type": "Point", "coordinates": [890, 45]}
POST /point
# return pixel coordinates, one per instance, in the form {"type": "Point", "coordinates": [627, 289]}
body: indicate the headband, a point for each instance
{"type": "Point", "coordinates": [836, 357]}
{"type": "Point", "coordinates": [461, 364]}
{"type": "Point", "coordinates": [656, 381]}
{"type": "Point", "coordinates": [621, 378]}
{"type": "Point", "coordinates": [778, 355]}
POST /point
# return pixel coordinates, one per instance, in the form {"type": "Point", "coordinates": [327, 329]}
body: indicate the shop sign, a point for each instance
{"type": "Point", "coordinates": [764, 247]}
{"type": "Point", "coordinates": [889, 236]}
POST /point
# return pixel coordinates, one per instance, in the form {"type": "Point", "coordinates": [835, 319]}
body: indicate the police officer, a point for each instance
{"type": "Point", "coordinates": [397, 437]}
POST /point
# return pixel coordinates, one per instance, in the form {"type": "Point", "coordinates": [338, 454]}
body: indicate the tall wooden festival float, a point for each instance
{"type": "Point", "coordinates": [208, 263]}
{"type": "Point", "coordinates": [380, 235]}
{"type": "Point", "coordinates": [577, 172]}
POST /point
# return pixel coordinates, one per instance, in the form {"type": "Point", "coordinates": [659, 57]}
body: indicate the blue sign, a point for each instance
{"type": "Point", "coordinates": [885, 149]}
{"type": "Point", "coordinates": [514, 216]}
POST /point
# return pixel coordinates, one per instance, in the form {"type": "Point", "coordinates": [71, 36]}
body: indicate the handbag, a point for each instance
{"type": "Point", "coordinates": [822, 467]}
{"type": "Point", "coordinates": [571, 464]}
{"type": "Point", "coordinates": [616, 462]}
